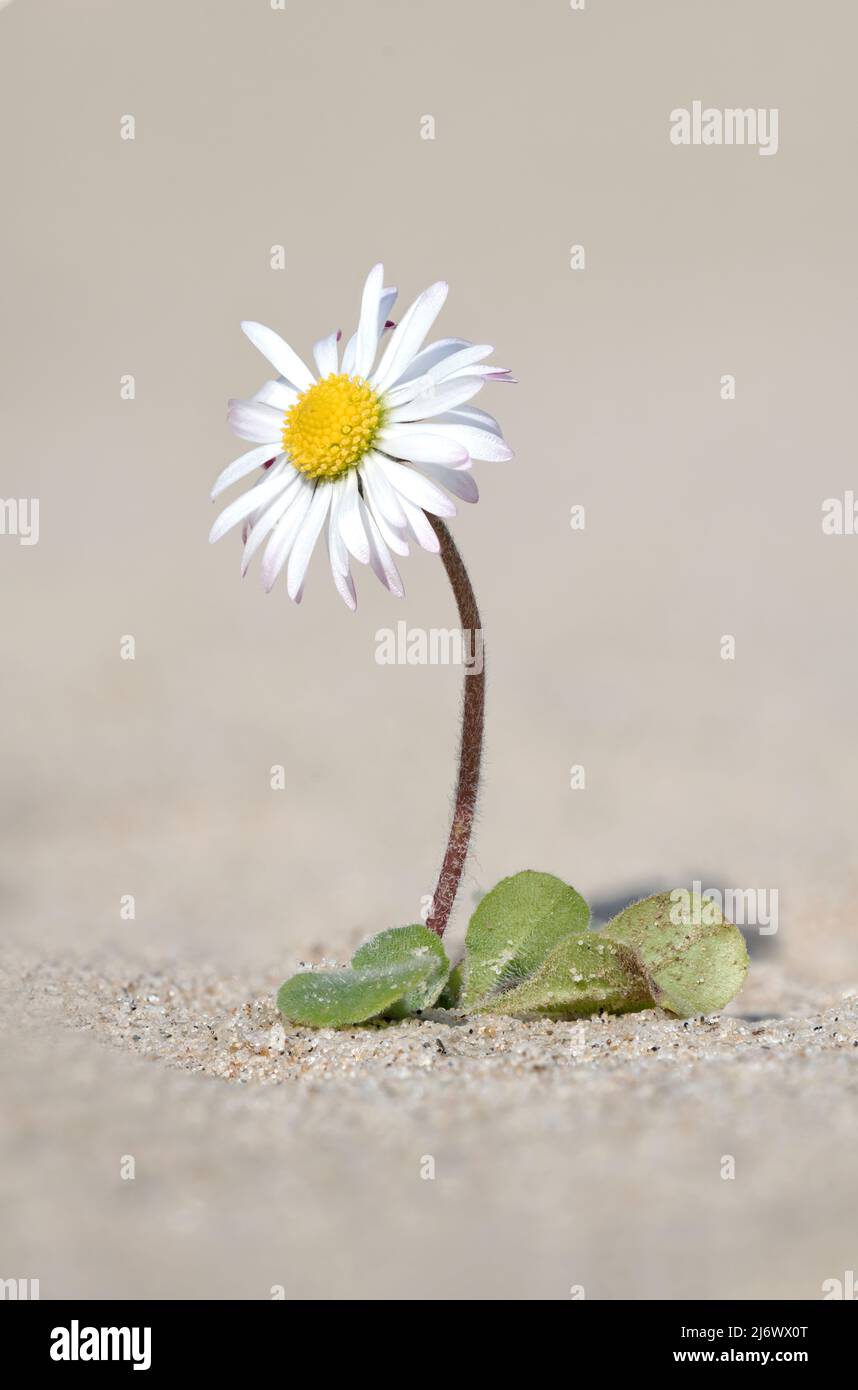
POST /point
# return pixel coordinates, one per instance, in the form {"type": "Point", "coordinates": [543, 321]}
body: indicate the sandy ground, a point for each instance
{"type": "Point", "coordinates": [565, 1155]}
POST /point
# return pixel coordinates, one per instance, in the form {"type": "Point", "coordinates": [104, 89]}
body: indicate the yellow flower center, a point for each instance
{"type": "Point", "coordinates": [332, 425]}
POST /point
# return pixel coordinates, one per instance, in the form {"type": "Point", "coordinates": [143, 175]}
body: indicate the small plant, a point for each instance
{"type": "Point", "coordinates": [530, 951]}
{"type": "Point", "coordinates": [369, 452]}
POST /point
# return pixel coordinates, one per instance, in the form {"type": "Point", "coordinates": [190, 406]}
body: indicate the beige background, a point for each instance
{"type": "Point", "coordinates": [257, 127]}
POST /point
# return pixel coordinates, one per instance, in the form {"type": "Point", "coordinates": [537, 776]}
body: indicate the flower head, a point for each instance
{"type": "Point", "coordinates": [363, 450]}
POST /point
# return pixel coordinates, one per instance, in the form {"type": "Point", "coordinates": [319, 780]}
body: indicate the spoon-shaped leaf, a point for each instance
{"type": "Point", "coordinates": [416, 946]}
{"type": "Point", "coordinates": [334, 998]}
{"type": "Point", "coordinates": [693, 959]}
{"type": "Point", "coordinates": [582, 975]}
{"type": "Point", "coordinates": [515, 927]}
{"type": "Point", "coordinates": [395, 973]}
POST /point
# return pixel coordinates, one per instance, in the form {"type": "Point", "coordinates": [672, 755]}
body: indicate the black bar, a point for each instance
{"type": "Point", "coordinates": [220, 1336]}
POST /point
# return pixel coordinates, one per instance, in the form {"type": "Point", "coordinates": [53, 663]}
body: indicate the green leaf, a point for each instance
{"type": "Point", "coordinates": [334, 998]}
{"type": "Point", "coordinates": [514, 928]}
{"type": "Point", "coordinates": [693, 959]}
{"type": "Point", "coordinates": [395, 973]}
{"type": "Point", "coordinates": [582, 975]}
{"type": "Point", "coordinates": [415, 945]}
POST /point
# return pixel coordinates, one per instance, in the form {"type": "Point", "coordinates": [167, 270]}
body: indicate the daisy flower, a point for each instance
{"type": "Point", "coordinates": [363, 449]}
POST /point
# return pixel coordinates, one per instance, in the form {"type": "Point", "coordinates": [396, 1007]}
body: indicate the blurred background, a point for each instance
{"type": "Point", "coordinates": [300, 127]}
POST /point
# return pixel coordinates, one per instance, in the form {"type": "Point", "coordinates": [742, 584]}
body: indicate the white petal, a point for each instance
{"type": "Point", "coordinates": [279, 354]}
{"type": "Point", "coordinates": [325, 355]}
{"type": "Point", "coordinates": [415, 488]}
{"type": "Point", "coordinates": [421, 527]}
{"type": "Point", "coordinates": [348, 365]}
{"type": "Point", "coordinates": [486, 372]}
{"type": "Point", "coordinates": [394, 536]}
{"type": "Point", "coordinates": [345, 585]}
{"type": "Point", "coordinates": [269, 518]}
{"type": "Point", "coordinates": [349, 519]}
{"type": "Point", "coordinates": [276, 393]}
{"type": "Point", "coordinates": [421, 446]}
{"type": "Point", "coordinates": [385, 307]}
{"type": "Point", "coordinates": [452, 365]}
{"type": "Point", "coordinates": [388, 298]}
{"type": "Point", "coordinates": [240, 467]}
{"type": "Point", "coordinates": [305, 543]}
{"type": "Point", "coordinates": [480, 444]}
{"type": "Point", "coordinates": [428, 357]}
{"type": "Point", "coordinates": [251, 420]}
{"type": "Point", "coordinates": [249, 502]}
{"type": "Point", "coordinates": [407, 338]}
{"type": "Point", "coordinates": [380, 558]}
{"type": "Point", "coordinates": [384, 504]}
{"type": "Point", "coordinates": [337, 551]}
{"type": "Point", "coordinates": [382, 493]}
{"type": "Point", "coordinates": [466, 357]}
{"type": "Point", "coordinates": [459, 481]}
{"type": "Point", "coordinates": [469, 415]}
{"type": "Point", "coordinates": [366, 345]}
{"type": "Point", "coordinates": [286, 472]}
{"type": "Point", "coordinates": [283, 469]}
{"type": "Point", "coordinates": [285, 533]}
{"type": "Point", "coordinates": [436, 399]}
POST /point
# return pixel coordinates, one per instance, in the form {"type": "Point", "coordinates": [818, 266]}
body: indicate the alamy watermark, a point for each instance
{"type": "Point", "coordinates": [19, 516]}
{"type": "Point", "coordinates": [732, 125]}
{"type": "Point", "coordinates": [433, 646]}
{"type": "Point", "coordinates": [19, 1290]}
{"type": "Point", "coordinates": [840, 515]}
{"type": "Point", "coordinates": [746, 907]}
{"type": "Point", "coordinates": [76, 1343]}
{"type": "Point", "coordinates": [845, 1288]}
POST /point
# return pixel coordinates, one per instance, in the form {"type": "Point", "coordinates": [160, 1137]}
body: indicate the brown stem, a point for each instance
{"type": "Point", "coordinates": [470, 751]}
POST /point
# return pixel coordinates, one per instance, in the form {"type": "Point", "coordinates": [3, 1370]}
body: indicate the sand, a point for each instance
{"type": "Point", "coordinates": [433, 1158]}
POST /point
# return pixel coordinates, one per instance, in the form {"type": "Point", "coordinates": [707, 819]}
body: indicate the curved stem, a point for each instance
{"type": "Point", "coordinates": [471, 747]}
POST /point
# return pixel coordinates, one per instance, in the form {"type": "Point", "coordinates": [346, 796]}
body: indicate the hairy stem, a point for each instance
{"type": "Point", "coordinates": [471, 747]}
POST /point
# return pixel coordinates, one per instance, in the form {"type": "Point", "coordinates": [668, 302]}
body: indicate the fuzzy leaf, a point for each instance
{"type": "Point", "coordinates": [693, 959]}
{"type": "Point", "coordinates": [514, 928]}
{"type": "Point", "coordinates": [334, 998]}
{"type": "Point", "coordinates": [583, 974]}
{"type": "Point", "coordinates": [395, 973]}
{"type": "Point", "coordinates": [415, 946]}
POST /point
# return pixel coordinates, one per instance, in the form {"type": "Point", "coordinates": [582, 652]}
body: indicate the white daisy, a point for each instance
{"type": "Point", "coordinates": [364, 448]}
